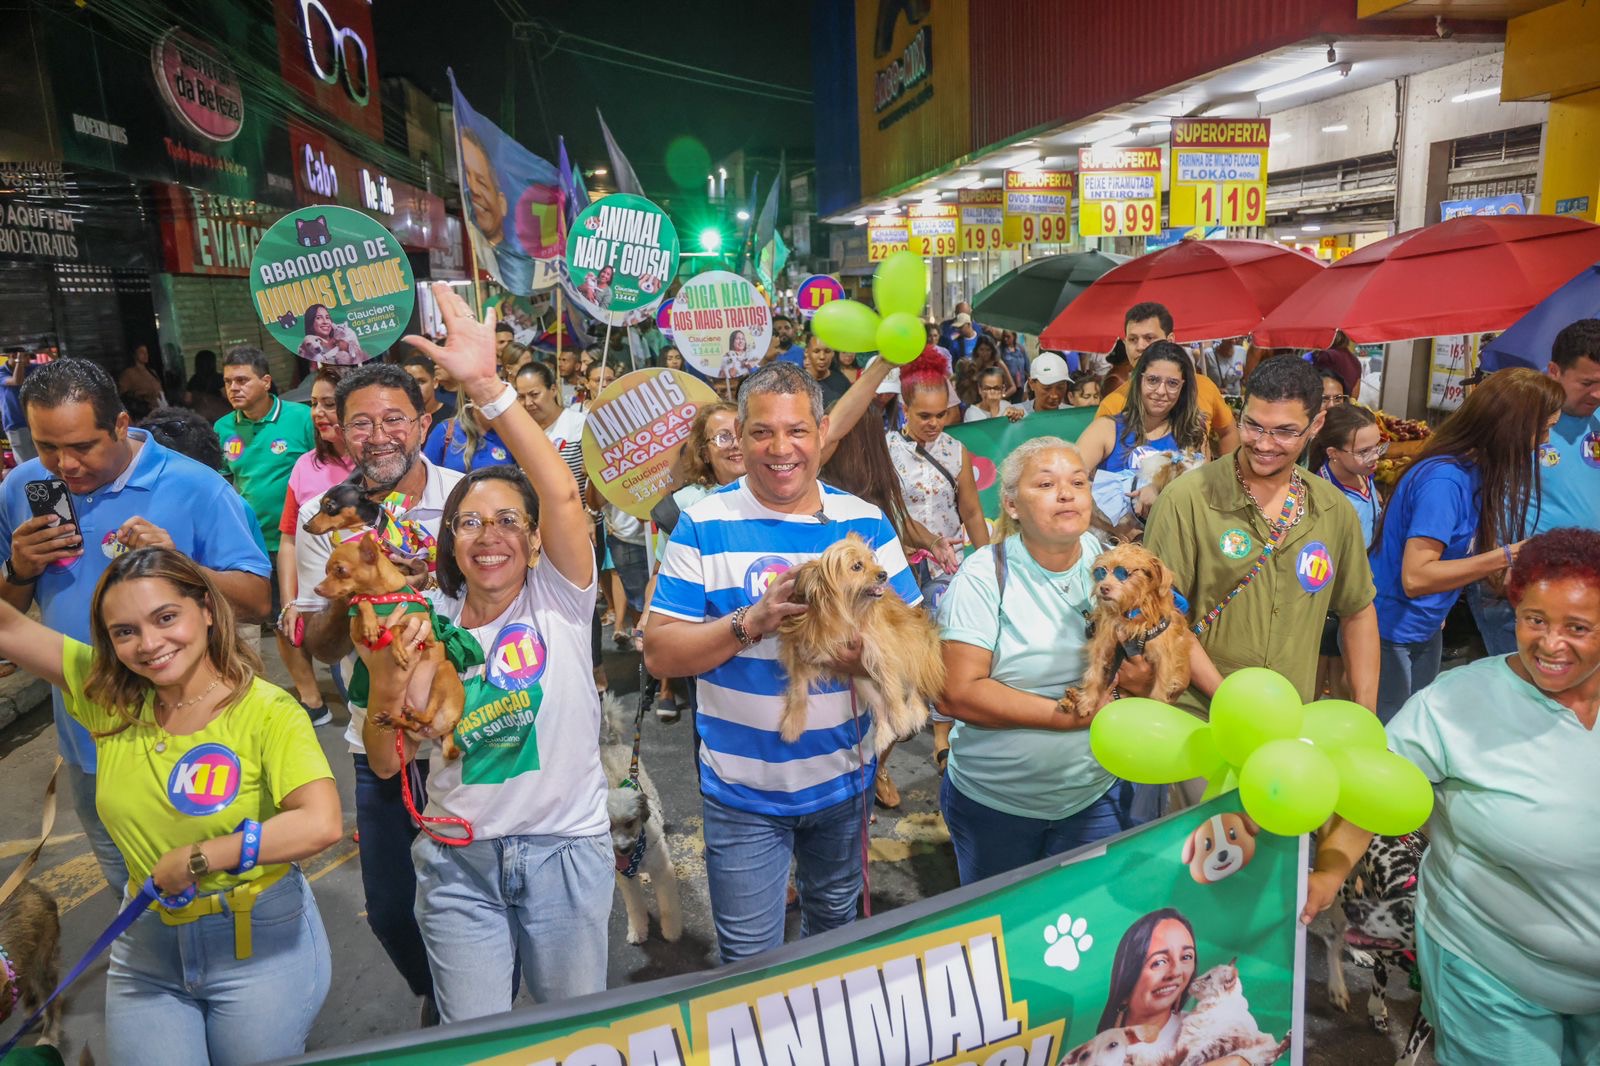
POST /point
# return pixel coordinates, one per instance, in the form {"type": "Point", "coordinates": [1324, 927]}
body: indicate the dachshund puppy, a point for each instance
{"type": "Point", "coordinates": [847, 599]}
{"type": "Point", "coordinates": [1133, 615]}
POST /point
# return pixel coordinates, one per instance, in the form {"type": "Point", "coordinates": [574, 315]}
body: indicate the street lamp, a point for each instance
{"type": "Point", "coordinates": [711, 239]}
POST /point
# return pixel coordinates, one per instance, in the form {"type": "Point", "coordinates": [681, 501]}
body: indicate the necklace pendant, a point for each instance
{"type": "Point", "coordinates": [161, 746]}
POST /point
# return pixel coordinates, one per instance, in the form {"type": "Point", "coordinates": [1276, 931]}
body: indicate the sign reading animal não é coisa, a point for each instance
{"type": "Point", "coordinates": [622, 254]}
{"type": "Point", "coordinates": [634, 433]}
{"type": "Point", "coordinates": [332, 285]}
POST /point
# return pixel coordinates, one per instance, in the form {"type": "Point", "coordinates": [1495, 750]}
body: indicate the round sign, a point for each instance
{"type": "Point", "coordinates": [815, 291]}
{"type": "Point", "coordinates": [204, 781]}
{"type": "Point", "coordinates": [622, 254]}
{"type": "Point", "coordinates": [198, 85]}
{"type": "Point", "coordinates": [634, 432]}
{"type": "Point", "coordinates": [664, 317]}
{"type": "Point", "coordinates": [721, 324]}
{"type": "Point", "coordinates": [332, 285]}
{"type": "Point", "coordinates": [518, 657]}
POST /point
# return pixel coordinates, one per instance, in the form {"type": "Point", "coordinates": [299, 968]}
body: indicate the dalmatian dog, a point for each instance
{"type": "Point", "coordinates": [1376, 914]}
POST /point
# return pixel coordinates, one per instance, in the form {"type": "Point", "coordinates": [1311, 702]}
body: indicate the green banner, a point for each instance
{"type": "Point", "coordinates": [622, 254]}
{"type": "Point", "coordinates": [1165, 933]}
{"type": "Point", "coordinates": [992, 439]}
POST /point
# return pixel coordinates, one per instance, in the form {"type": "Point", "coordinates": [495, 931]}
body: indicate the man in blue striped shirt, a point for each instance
{"type": "Point", "coordinates": [724, 586]}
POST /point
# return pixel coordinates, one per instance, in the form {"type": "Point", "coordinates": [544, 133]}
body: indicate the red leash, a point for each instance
{"type": "Point", "coordinates": [417, 816]}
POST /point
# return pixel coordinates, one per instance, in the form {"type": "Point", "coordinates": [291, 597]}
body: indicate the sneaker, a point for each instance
{"type": "Point", "coordinates": [667, 709]}
{"type": "Point", "coordinates": [318, 715]}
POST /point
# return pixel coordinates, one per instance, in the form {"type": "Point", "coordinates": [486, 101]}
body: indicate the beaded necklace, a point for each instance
{"type": "Point", "coordinates": [1293, 511]}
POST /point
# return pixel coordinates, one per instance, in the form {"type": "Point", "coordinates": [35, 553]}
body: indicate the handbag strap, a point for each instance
{"type": "Point", "coordinates": [936, 464]}
{"type": "Point", "coordinates": [1296, 495]}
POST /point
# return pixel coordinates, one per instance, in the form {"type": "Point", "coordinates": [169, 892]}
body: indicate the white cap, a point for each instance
{"type": "Point", "coordinates": [890, 383]}
{"type": "Point", "coordinates": [1048, 368]}
{"type": "Point", "coordinates": [963, 319]}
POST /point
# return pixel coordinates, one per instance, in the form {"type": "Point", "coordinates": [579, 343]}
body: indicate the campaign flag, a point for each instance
{"type": "Point", "coordinates": [621, 170]}
{"type": "Point", "coordinates": [512, 202]}
{"type": "Point", "coordinates": [767, 260]}
{"type": "Point", "coordinates": [1029, 968]}
{"type": "Point", "coordinates": [992, 439]}
{"type": "Point", "coordinates": [574, 197]}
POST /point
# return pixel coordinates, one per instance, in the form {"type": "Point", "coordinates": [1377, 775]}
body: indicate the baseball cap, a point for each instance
{"type": "Point", "coordinates": [963, 319]}
{"type": "Point", "coordinates": [1048, 368]}
{"type": "Point", "coordinates": [890, 383]}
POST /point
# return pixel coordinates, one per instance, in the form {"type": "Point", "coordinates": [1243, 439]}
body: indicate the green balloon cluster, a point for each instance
{"type": "Point", "coordinates": [1296, 765]}
{"type": "Point", "coordinates": [900, 289]}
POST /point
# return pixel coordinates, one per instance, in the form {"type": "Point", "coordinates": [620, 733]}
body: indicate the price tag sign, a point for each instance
{"type": "Point", "coordinates": [1037, 206]}
{"type": "Point", "coordinates": [931, 228]}
{"type": "Point", "coordinates": [1119, 192]}
{"type": "Point", "coordinates": [1219, 171]}
{"type": "Point", "coordinates": [982, 215]}
{"type": "Point", "coordinates": [886, 236]}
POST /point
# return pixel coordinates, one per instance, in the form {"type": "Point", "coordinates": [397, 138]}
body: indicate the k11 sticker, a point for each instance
{"type": "Point", "coordinates": [205, 780]}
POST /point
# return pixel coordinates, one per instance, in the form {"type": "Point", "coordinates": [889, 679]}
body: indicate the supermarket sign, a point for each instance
{"type": "Point", "coordinates": [1037, 206]}
{"type": "Point", "coordinates": [982, 219]}
{"type": "Point", "coordinates": [1119, 192]}
{"type": "Point", "coordinates": [1219, 171]}
{"type": "Point", "coordinates": [931, 228]}
{"type": "Point", "coordinates": [886, 236]}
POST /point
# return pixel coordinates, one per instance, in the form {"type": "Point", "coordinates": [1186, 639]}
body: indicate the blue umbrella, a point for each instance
{"type": "Point", "coordinates": [1528, 342]}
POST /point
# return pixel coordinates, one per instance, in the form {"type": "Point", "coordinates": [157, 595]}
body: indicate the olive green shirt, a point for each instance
{"type": "Point", "coordinates": [1210, 535]}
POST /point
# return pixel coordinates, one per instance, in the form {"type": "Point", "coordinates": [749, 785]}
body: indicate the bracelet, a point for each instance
{"type": "Point", "coordinates": [736, 619]}
{"type": "Point", "coordinates": [500, 404]}
{"type": "Point", "coordinates": [250, 848]}
{"type": "Point", "coordinates": [1510, 560]}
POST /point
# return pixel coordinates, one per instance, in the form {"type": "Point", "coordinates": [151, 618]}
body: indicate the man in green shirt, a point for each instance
{"type": "Point", "coordinates": [262, 438]}
{"type": "Point", "coordinates": [1211, 526]}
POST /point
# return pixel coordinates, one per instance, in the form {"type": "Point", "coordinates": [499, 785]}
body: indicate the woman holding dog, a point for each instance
{"type": "Point", "coordinates": [1507, 915]}
{"type": "Point", "coordinates": [211, 780]}
{"type": "Point", "coordinates": [1166, 418]}
{"type": "Point", "coordinates": [535, 885]}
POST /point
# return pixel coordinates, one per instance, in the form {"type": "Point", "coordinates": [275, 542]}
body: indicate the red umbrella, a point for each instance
{"type": "Point", "coordinates": [1467, 275]}
{"type": "Point", "coordinates": [1213, 289]}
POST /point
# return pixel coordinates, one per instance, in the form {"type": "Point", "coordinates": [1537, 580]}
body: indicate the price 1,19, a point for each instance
{"type": "Point", "coordinates": [1232, 204]}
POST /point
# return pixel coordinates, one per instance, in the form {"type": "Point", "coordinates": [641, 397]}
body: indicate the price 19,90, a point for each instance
{"type": "Point", "coordinates": [981, 238]}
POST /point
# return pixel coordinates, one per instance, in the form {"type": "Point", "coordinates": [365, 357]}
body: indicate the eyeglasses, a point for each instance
{"type": "Point", "coordinates": [1281, 434]}
{"type": "Point", "coordinates": [1333, 399]}
{"type": "Point", "coordinates": [1164, 384]}
{"type": "Point", "coordinates": [725, 439]}
{"type": "Point", "coordinates": [359, 429]}
{"type": "Point", "coordinates": [992, 388]}
{"type": "Point", "coordinates": [1120, 573]}
{"type": "Point", "coordinates": [470, 524]}
{"type": "Point", "coordinates": [1367, 455]}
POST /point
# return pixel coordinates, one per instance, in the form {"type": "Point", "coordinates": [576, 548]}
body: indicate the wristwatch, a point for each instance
{"type": "Point", "coordinates": [199, 865]}
{"type": "Point", "coordinates": [14, 578]}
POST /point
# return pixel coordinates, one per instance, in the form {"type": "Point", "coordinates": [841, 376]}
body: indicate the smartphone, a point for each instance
{"type": "Point", "coordinates": [51, 497]}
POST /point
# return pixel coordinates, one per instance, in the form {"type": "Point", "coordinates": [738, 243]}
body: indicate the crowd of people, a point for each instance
{"type": "Point", "coordinates": [189, 531]}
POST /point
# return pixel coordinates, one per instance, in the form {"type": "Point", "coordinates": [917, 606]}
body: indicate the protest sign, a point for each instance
{"type": "Point", "coordinates": [1119, 192]}
{"type": "Point", "coordinates": [1029, 968]}
{"type": "Point", "coordinates": [982, 219]}
{"type": "Point", "coordinates": [886, 236]}
{"type": "Point", "coordinates": [931, 228]}
{"type": "Point", "coordinates": [622, 254]}
{"type": "Point", "coordinates": [992, 439]}
{"type": "Point", "coordinates": [815, 291]}
{"type": "Point", "coordinates": [634, 433]}
{"type": "Point", "coordinates": [513, 203]}
{"type": "Point", "coordinates": [1219, 171]}
{"type": "Point", "coordinates": [332, 285]}
{"type": "Point", "coordinates": [721, 324]}
{"type": "Point", "coordinates": [664, 318]}
{"type": "Point", "coordinates": [1037, 206]}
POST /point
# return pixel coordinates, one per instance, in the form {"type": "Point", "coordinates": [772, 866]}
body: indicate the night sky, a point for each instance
{"type": "Point", "coordinates": [758, 39]}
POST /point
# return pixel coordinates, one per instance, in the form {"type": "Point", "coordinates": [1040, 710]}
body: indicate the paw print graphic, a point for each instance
{"type": "Point", "coordinates": [1067, 940]}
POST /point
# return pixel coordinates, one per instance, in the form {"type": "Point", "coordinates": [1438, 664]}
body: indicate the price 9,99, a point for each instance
{"type": "Point", "coordinates": [1132, 218]}
{"type": "Point", "coordinates": [1045, 228]}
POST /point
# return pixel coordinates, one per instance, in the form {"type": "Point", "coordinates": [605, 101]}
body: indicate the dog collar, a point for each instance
{"type": "Point", "coordinates": [10, 971]}
{"type": "Point", "coordinates": [385, 635]}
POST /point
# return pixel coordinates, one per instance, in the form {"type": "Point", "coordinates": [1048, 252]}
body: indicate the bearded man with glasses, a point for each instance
{"type": "Point", "coordinates": [381, 410]}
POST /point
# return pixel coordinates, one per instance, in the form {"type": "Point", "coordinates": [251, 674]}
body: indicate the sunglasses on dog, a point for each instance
{"type": "Point", "coordinates": [1099, 573]}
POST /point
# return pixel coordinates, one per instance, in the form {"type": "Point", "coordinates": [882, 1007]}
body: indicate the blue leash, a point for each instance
{"type": "Point", "coordinates": [137, 906]}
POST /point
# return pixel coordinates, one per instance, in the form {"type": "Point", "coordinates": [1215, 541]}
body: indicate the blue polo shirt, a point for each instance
{"type": "Point", "coordinates": [795, 354]}
{"type": "Point", "coordinates": [200, 511]}
{"type": "Point", "coordinates": [1569, 475]}
{"type": "Point", "coordinates": [491, 451]}
{"type": "Point", "coordinates": [1436, 499]}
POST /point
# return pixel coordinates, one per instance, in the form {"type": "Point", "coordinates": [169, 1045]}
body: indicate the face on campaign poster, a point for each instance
{"type": "Point", "coordinates": [622, 254]}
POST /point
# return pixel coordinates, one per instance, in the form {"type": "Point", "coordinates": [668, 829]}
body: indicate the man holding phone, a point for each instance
{"type": "Point", "coordinates": [97, 490]}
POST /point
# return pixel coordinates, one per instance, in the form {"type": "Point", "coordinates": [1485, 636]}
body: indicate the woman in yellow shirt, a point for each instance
{"type": "Point", "coordinates": [212, 780]}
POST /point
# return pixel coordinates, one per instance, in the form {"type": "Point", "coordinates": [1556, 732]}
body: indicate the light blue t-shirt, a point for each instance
{"type": "Point", "coordinates": [1569, 486]}
{"type": "Point", "coordinates": [1035, 635]}
{"type": "Point", "coordinates": [1436, 499]}
{"type": "Point", "coordinates": [724, 552]}
{"type": "Point", "coordinates": [1509, 878]}
{"type": "Point", "coordinates": [795, 354]}
{"type": "Point", "coordinates": [206, 519]}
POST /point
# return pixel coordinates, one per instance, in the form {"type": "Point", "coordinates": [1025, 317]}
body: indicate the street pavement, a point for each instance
{"type": "Point", "coordinates": [909, 848]}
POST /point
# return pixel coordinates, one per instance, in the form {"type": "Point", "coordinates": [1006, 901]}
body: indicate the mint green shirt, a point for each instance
{"type": "Point", "coordinates": [1511, 880]}
{"type": "Point", "coordinates": [1035, 634]}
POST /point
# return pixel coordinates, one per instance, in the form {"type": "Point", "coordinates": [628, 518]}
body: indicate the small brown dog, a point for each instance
{"type": "Point", "coordinates": [30, 933]}
{"type": "Point", "coordinates": [432, 703]}
{"type": "Point", "coordinates": [1133, 615]}
{"type": "Point", "coordinates": [847, 600]}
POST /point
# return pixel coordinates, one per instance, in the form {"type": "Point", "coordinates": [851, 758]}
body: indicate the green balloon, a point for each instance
{"type": "Point", "coordinates": [1151, 743]}
{"type": "Point", "coordinates": [846, 326]}
{"type": "Point", "coordinates": [1289, 787]}
{"type": "Point", "coordinates": [1251, 707]}
{"type": "Point", "coordinates": [901, 337]}
{"type": "Point", "coordinates": [1335, 725]}
{"type": "Point", "coordinates": [1381, 792]}
{"type": "Point", "coordinates": [901, 285]}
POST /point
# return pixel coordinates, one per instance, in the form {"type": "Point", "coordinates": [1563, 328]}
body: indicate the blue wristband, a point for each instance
{"type": "Point", "coordinates": [182, 899]}
{"type": "Point", "coordinates": [250, 847]}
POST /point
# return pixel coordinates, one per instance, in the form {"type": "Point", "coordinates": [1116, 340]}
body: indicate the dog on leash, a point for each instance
{"type": "Point", "coordinates": [1133, 615]}
{"type": "Point", "coordinates": [1375, 912]}
{"type": "Point", "coordinates": [30, 934]}
{"type": "Point", "coordinates": [635, 816]}
{"type": "Point", "coordinates": [847, 599]}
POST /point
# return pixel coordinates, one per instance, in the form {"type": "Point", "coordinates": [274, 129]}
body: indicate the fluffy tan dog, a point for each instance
{"type": "Point", "coordinates": [847, 600]}
{"type": "Point", "coordinates": [1134, 615]}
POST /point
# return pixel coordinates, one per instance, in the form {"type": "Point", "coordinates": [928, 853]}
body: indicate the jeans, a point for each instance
{"type": "Point", "coordinates": [631, 564]}
{"type": "Point", "coordinates": [1496, 618]}
{"type": "Point", "coordinates": [387, 876]}
{"type": "Point", "coordinates": [1405, 669]}
{"type": "Point", "coordinates": [543, 901]}
{"type": "Point", "coordinates": [989, 842]}
{"type": "Point", "coordinates": [80, 783]}
{"type": "Point", "coordinates": [177, 994]}
{"type": "Point", "coordinates": [747, 872]}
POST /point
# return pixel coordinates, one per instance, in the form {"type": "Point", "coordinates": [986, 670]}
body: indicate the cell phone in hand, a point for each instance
{"type": "Point", "coordinates": [51, 497]}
